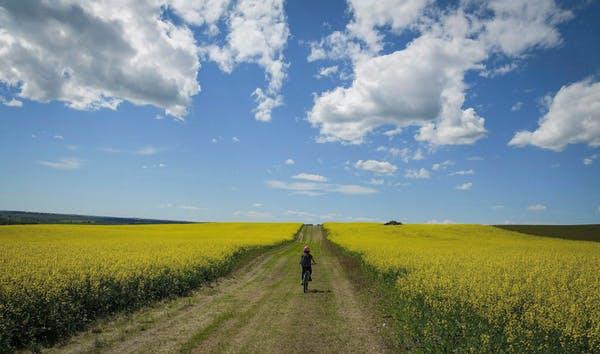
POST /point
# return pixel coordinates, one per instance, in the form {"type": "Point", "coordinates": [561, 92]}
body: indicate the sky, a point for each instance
{"type": "Point", "coordinates": [264, 110]}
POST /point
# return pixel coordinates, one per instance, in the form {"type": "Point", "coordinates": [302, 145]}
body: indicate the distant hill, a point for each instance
{"type": "Point", "coordinates": [10, 217]}
{"type": "Point", "coordinates": [570, 232]}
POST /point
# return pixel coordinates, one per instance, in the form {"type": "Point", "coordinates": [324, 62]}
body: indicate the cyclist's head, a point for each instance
{"type": "Point", "coordinates": [306, 249]}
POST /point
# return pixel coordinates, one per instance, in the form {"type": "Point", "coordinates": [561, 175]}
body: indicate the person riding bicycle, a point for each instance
{"type": "Point", "coordinates": [306, 261]}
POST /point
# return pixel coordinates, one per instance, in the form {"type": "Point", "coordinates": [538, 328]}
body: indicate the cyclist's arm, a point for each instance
{"type": "Point", "coordinates": [313, 260]}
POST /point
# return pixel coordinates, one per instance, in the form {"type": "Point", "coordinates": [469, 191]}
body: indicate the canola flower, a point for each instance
{"type": "Point", "coordinates": [474, 288]}
{"type": "Point", "coordinates": [56, 278]}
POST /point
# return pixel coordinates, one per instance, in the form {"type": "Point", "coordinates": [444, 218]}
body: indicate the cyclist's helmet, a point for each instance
{"type": "Point", "coordinates": [306, 249]}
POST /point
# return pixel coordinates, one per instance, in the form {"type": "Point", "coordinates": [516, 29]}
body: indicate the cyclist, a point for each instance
{"type": "Point", "coordinates": [306, 261]}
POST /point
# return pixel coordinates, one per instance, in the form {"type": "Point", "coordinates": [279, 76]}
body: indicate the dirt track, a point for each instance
{"type": "Point", "coordinates": [259, 308]}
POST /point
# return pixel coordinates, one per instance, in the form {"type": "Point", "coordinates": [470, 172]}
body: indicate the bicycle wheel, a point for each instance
{"type": "Point", "coordinates": [305, 281]}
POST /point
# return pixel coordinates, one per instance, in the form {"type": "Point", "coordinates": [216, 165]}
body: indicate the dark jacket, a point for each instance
{"type": "Point", "coordinates": [306, 260]}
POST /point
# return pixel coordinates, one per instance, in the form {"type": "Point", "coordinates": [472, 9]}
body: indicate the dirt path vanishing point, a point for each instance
{"type": "Point", "coordinates": [259, 308]}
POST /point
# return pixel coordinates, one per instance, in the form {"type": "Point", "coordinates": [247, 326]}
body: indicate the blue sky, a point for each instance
{"type": "Point", "coordinates": [421, 111]}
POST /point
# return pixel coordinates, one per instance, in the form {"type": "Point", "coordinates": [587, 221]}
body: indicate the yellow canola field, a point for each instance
{"type": "Point", "coordinates": [55, 278]}
{"type": "Point", "coordinates": [480, 288]}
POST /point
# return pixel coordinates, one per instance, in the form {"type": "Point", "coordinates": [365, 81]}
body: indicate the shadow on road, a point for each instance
{"type": "Point", "coordinates": [317, 291]}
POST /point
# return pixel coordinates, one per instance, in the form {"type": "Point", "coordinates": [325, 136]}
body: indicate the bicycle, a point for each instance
{"type": "Point", "coordinates": [305, 280]}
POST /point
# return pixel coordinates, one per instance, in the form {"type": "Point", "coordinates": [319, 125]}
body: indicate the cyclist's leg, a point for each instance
{"type": "Point", "coordinates": [309, 272]}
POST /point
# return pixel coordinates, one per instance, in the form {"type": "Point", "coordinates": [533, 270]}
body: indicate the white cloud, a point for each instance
{"type": "Point", "coordinates": [257, 205]}
{"type": "Point", "coordinates": [573, 118]}
{"type": "Point", "coordinates": [258, 33]}
{"type": "Point", "coordinates": [190, 207]}
{"type": "Point", "coordinates": [475, 158]}
{"type": "Point", "coordinates": [448, 45]}
{"type": "Point", "coordinates": [521, 25]}
{"type": "Point", "coordinates": [253, 214]}
{"type": "Point", "coordinates": [536, 207]}
{"type": "Point", "coordinates": [310, 177]}
{"type": "Point", "coordinates": [392, 132]}
{"type": "Point", "coordinates": [462, 173]}
{"type": "Point", "coordinates": [442, 165]}
{"type": "Point", "coordinates": [376, 181]}
{"type": "Point", "coordinates": [67, 163]}
{"type": "Point", "coordinates": [315, 189]}
{"type": "Point", "coordinates": [201, 12]}
{"type": "Point", "coordinates": [289, 162]}
{"type": "Point", "coordinates": [497, 207]}
{"type": "Point", "coordinates": [235, 139]}
{"type": "Point", "coordinates": [517, 106]}
{"type": "Point", "coordinates": [303, 214]}
{"type": "Point", "coordinates": [417, 174]}
{"type": "Point", "coordinates": [12, 103]}
{"type": "Point", "coordinates": [265, 104]}
{"type": "Point", "coordinates": [465, 186]}
{"type": "Point", "coordinates": [327, 71]}
{"type": "Point", "coordinates": [352, 189]}
{"type": "Point", "coordinates": [590, 159]}
{"type": "Point", "coordinates": [147, 151]}
{"type": "Point", "coordinates": [404, 154]}
{"type": "Point", "coordinates": [501, 70]}
{"type": "Point", "coordinates": [369, 15]}
{"type": "Point", "coordinates": [214, 140]}
{"type": "Point", "coordinates": [380, 167]}
{"type": "Point", "coordinates": [111, 150]}
{"type": "Point", "coordinates": [59, 137]}
{"type": "Point", "coordinates": [418, 155]}
{"type": "Point", "coordinates": [91, 56]}
{"type": "Point", "coordinates": [445, 221]}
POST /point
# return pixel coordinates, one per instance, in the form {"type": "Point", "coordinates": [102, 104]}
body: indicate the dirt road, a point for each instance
{"type": "Point", "coordinates": [260, 308]}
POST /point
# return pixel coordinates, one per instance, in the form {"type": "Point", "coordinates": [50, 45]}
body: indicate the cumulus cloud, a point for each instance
{"type": "Point", "coordinates": [88, 56]}
{"type": "Point", "coordinates": [573, 118]}
{"type": "Point", "coordinates": [315, 189]}
{"type": "Point", "coordinates": [465, 186]}
{"type": "Point", "coordinates": [442, 165]}
{"type": "Point", "coordinates": [310, 177]}
{"type": "Point", "coordinates": [448, 45]}
{"type": "Point", "coordinates": [380, 167]}
{"type": "Point", "coordinates": [289, 162]}
{"type": "Point", "coordinates": [258, 33]}
{"type": "Point", "coordinates": [67, 163]}
{"type": "Point", "coordinates": [327, 71]}
{"type": "Point", "coordinates": [421, 173]}
{"type": "Point", "coordinates": [536, 207]}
